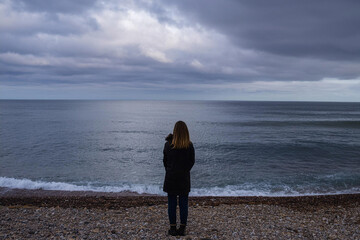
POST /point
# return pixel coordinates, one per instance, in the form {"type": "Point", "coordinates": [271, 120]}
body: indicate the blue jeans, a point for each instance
{"type": "Point", "coordinates": [183, 205]}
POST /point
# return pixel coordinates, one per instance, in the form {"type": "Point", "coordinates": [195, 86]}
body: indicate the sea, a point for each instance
{"type": "Point", "coordinates": [242, 148]}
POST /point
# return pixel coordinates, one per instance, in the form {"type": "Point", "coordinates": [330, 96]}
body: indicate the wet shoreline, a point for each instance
{"type": "Point", "coordinates": [106, 200]}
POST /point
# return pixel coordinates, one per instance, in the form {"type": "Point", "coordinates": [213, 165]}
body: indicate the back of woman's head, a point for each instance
{"type": "Point", "coordinates": [181, 137]}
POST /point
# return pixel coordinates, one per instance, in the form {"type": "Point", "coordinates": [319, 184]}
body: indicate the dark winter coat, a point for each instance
{"type": "Point", "coordinates": [177, 163]}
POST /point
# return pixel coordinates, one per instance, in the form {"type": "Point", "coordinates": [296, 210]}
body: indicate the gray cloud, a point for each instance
{"type": "Point", "coordinates": [320, 29]}
{"type": "Point", "coordinates": [52, 6]}
{"type": "Point", "coordinates": [170, 44]}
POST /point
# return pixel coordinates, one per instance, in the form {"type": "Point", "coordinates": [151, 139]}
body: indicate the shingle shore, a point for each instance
{"type": "Point", "coordinates": [58, 215]}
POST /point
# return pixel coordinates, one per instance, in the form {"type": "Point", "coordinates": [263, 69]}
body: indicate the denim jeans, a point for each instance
{"type": "Point", "coordinates": [183, 205]}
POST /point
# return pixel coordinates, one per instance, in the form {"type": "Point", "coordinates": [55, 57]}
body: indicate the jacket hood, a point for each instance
{"type": "Point", "coordinates": [169, 138]}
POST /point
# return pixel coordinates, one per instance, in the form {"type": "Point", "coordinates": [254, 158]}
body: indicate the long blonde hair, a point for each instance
{"type": "Point", "coordinates": [181, 137]}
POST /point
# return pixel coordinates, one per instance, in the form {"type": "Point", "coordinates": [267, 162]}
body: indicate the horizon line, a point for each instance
{"type": "Point", "coordinates": [199, 100]}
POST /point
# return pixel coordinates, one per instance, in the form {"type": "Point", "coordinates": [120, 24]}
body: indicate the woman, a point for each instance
{"type": "Point", "coordinates": [179, 157]}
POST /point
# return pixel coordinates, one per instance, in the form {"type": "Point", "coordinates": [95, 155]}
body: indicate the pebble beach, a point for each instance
{"type": "Point", "coordinates": [41, 214]}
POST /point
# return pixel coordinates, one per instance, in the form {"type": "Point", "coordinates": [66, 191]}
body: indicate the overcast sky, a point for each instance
{"type": "Point", "coordinates": [231, 50]}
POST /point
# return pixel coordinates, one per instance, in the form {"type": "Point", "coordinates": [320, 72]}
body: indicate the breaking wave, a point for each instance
{"type": "Point", "coordinates": [230, 190]}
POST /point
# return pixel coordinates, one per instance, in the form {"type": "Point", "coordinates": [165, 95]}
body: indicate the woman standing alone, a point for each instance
{"type": "Point", "coordinates": [179, 158]}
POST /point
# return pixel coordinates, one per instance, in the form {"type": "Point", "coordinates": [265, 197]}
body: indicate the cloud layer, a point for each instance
{"type": "Point", "coordinates": [271, 50]}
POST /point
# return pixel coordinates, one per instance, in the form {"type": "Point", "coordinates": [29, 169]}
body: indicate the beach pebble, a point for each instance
{"type": "Point", "coordinates": [240, 221]}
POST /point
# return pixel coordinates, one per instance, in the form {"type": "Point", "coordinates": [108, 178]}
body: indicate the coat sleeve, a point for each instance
{"type": "Point", "coordinates": [192, 158]}
{"type": "Point", "coordinates": [165, 156]}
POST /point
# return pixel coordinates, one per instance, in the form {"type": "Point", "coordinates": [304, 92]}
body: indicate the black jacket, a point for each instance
{"type": "Point", "coordinates": [177, 163]}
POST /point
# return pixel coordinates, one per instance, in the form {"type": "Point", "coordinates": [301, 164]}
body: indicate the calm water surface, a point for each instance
{"type": "Point", "coordinates": [242, 148]}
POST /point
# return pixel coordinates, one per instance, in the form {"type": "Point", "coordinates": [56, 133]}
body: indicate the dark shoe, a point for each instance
{"type": "Point", "coordinates": [181, 230]}
{"type": "Point", "coordinates": [172, 231]}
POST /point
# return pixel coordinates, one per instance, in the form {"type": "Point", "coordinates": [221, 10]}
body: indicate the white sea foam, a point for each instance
{"type": "Point", "coordinates": [230, 190]}
{"type": "Point", "coordinates": [62, 186]}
